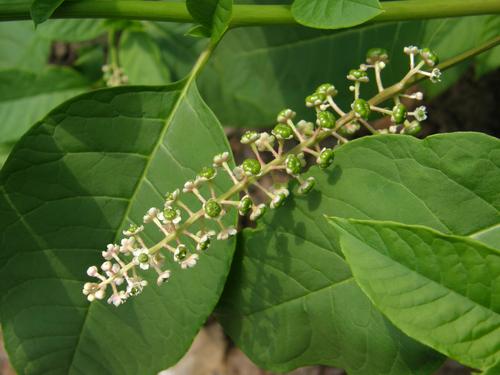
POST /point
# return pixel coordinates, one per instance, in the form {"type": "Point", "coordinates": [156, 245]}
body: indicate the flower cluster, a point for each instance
{"type": "Point", "coordinates": [114, 76]}
{"type": "Point", "coordinates": [285, 150]}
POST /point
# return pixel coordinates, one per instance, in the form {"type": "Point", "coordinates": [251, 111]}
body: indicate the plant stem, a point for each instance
{"type": "Point", "coordinates": [247, 15]}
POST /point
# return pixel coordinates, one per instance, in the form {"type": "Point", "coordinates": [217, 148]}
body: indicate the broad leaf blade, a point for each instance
{"type": "Point", "coordinates": [440, 289]}
{"type": "Point", "coordinates": [41, 10]}
{"type": "Point", "coordinates": [334, 14]}
{"type": "Point", "coordinates": [95, 164]}
{"type": "Point", "coordinates": [140, 59]}
{"type": "Point", "coordinates": [294, 256]}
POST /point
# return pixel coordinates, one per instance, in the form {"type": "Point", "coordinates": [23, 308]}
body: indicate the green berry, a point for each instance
{"type": "Point", "coordinates": [375, 55]}
{"type": "Point", "coordinates": [412, 128]}
{"type": "Point", "coordinates": [251, 167]}
{"type": "Point", "coordinates": [170, 214]}
{"type": "Point", "coordinates": [278, 200]}
{"type": "Point", "coordinates": [180, 253]}
{"type": "Point", "coordinates": [143, 258]}
{"type": "Point", "coordinates": [315, 99]}
{"type": "Point", "coordinates": [399, 113]}
{"type": "Point", "coordinates": [208, 173]}
{"type": "Point", "coordinates": [285, 115]}
{"type": "Point", "coordinates": [429, 56]}
{"type": "Point", "coordinates": [245, 205]}
{"type": "Point", "coordinates": [212, 208]}
{"type": "Point", "coordinates": [326, 120]}
{"type": "Point", "coordinates": [293, 165]}
{"type": "Point", "coordinates": [249, 137]}
{"type": "Point", "coordinates": [327, 89]}
{"type": "Point", "coordinates": [325, 158]}
{"type": "Point", "coordinates": [283, 131]}
{"type": "Point", "coordinates": [362, 108]}
{"type": "Point", "coordinates": [358, 75]}
{"type": "Point", "coordinates": [306, 186]}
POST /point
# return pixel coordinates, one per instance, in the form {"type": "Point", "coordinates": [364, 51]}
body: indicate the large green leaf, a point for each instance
{"type": "Point", "coordinates": [213, 15]}
{"type": "Point", "coordinates": [69, 187]}
{"type": "Point", "coordinates": [441, 290]}
{"type": "Point", "coordinates": [41, 10]}
{"type": "Point", "coordinates": [141, 60]}
{"type": "Point", "coordinates": [334, 14]}
{"type": "Point", "coordinates": [38, 92]}
{"type": "Point", "coordinates": [291, 300]}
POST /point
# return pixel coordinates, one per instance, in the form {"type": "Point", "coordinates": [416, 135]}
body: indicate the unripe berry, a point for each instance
{"type": "Point", "coordinates": [326, 120]}
{"type": "Point", "coordinates": [293, 165]}
{"type": "Point", "coordinates": [399, 113]}
{"type": "Point", "coordinates": [251, 167]}
{"type": "Point", "coordinates": [375, 55]}
{"type": "Point", "coordinates": [327, 89]}
{"type": "Point", "coordinates": [361, 108]}
{"type": "Point", "coordinates": [283, 131]}
{"type": "Point", "coordinates": [245, 205]}
{"type": "Point", "coordinates": [212, 208]}
{"type": "Point", "coordinates": [325, 158]}
{"type": "Point", "coordinates": [429, 56]}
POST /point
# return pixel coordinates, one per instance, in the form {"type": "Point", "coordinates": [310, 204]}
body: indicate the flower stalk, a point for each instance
{"type": "Point", "coordinates": [175, 220]}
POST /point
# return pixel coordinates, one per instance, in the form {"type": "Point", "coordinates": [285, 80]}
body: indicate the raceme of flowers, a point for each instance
{"type": "Point", "coordinates": [119, 276]}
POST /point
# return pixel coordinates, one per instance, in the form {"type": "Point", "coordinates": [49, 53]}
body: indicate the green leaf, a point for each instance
{"type": "Point", "coordinates": [214, 15]}
{"type": "Point", "coordinates": [72, 30]}
{"type": "Point", "coordinates": [334, 14]}
{"type": "Point", "coordinates": [291, 300]}
{"type": "Point", "coordinates": [41, 10]}
{"type": "Point", "coordinates": [70, 186]}
{"type": "Point", "coordinates": [140, 58]}
{"type": "Point", "coordinates": [441, 290]}
{"type": "Point", "coordinates": [22, 48]}
{"type": "Point", "coordinates": [40, 92]}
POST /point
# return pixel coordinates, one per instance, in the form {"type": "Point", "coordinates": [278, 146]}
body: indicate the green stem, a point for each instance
{"type": "Point", "coordinates": [247, 15]}
{"type": "Point", "coordinates": [112, 52]}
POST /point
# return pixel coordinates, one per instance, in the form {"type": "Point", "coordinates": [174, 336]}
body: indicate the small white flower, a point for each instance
{"type": "Point", "coordinates": [133, 230]}
{"type": "Point", "coordinates": [277, 201]}
{"type": "Point", "coordinates": [420, 113]}
{"type": "Point", "coordinates": [92, 271]}
{"type": "Point", "coordinates": [172, 197]}
{"type": "Point", "coordinates": [418, 95]}
{"type": "Point", "coordinates": [435, 75]}
{"type": "Point", "coordinates": [205, 239]}
{"type": "Point", "coordinates": [381, 65]}
{"type": "Point", "coordinates": [264, 141]}
{"type": "Point", "coordinates": [135, 286]}
{"type": "Point", "coordinates": [220, 159]}
{"type": "Point", "coordinates": [180, 253]}
{"type": "Point", "coordinates": [106, 266]}
{"type": "Point", "coordinates": [393, 129]}
{"type": "Point", "coordinates": [111, 250]}
{"type": "Point", "coordinates": [239, 173]}
{"type": "Point", "coordinates": [127, 245]}
{"type": "Point", "coordinates": [118, 298]}
{"type": "Point", "coordinates": [150, 215]}
{"type": "Point", "coordinates": [189, 186]}
{"type": "Point", "coordinates": [411, 50]}
{"type": "Point", "coordinates": [226, 233]}
{"type": "Point", "coordinates": [190, 261]}
{"type": "Point", "coordinates": [306, 128]}
{"type": "Point", "coordinates": [142, 258]}
{"type": "Point", "coordinates": [285, 115]}
{"type": "Point", "coordinates": [170, 216]}
{"type": "Point", "coordinates": [99, 294]}
{"type": "Point", "coordinates": [163, 277]}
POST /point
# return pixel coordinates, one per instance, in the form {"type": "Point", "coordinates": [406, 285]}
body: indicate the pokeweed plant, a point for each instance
{"type": "Point", "coordinates": [382, 270]}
